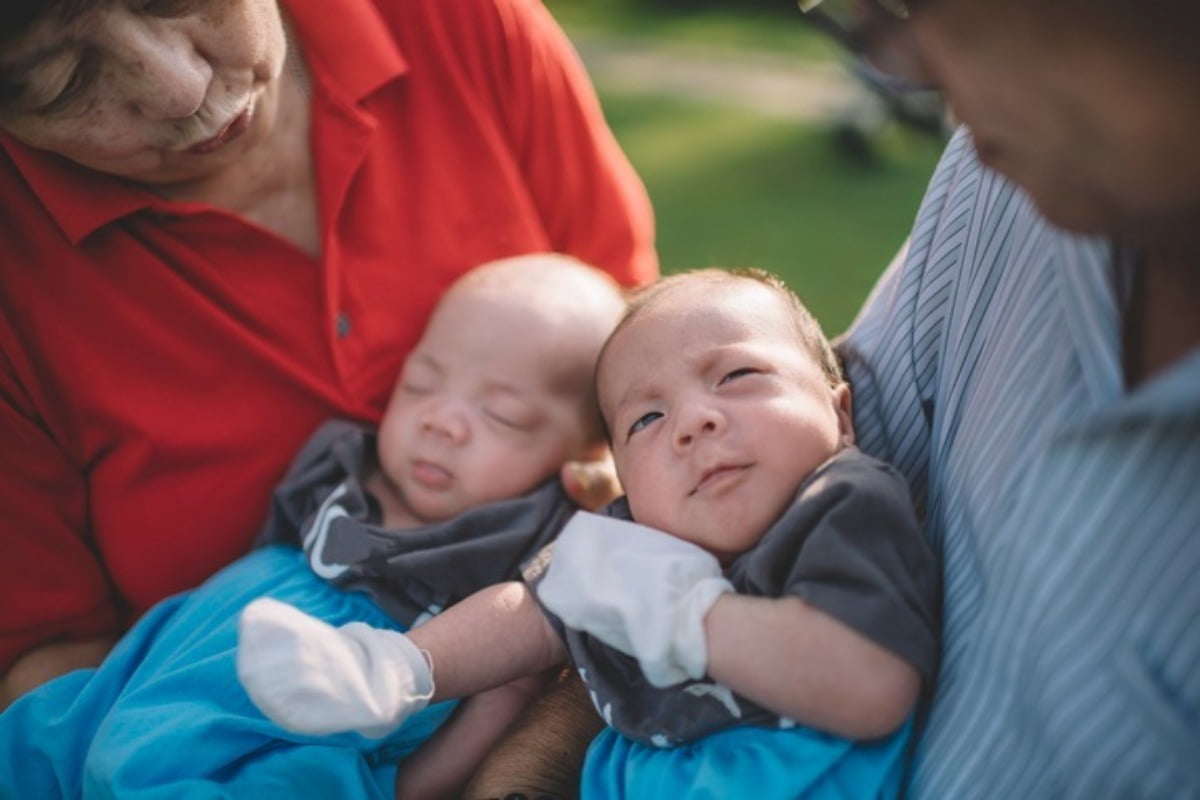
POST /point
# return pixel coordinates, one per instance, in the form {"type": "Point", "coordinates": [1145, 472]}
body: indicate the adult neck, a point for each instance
{"type": "Point", "coordinates": [1161, 323]}
{"type": "Point", "coordinates": [271, 184]}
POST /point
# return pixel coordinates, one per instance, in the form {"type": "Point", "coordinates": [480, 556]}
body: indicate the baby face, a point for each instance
{"type": "Point", "coordinates": [480, 412]}
{"type": "Point", "coordinates": [717, 413]}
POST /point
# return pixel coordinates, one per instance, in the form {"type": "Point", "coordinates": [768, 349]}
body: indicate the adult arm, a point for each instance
{"type": "Point", "coordinates": [44, 663]}
{"type": "Point", "coordinates": [56, 611]}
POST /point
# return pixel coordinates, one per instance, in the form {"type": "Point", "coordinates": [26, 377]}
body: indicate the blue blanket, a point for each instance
{"type": "Point", "coordinates": [165, 717]}
{"type": "Point", "coordinates": [763, 763]}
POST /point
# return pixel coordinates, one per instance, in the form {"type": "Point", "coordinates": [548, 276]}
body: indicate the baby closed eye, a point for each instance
{"type": "Point", "coordinates": [740, 372]}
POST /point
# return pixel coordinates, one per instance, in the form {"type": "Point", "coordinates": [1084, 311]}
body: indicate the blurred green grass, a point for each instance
{"type": "Point", "coordinates": [731, 188]}
{"type": "Point", "coordinates": [734, 187]}
{"type": "Point", "coordinates": [730, 26]}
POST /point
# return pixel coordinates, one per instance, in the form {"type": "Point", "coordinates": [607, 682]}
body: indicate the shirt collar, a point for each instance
{"type": "Point", "coordinates": [1090, 274]}
{"type": "Point", "coordinates": [1094, 280]}
{"type": "Point", "coordinates": [79, 200]}
{"type": "Point", "coordinates": [357, 55]}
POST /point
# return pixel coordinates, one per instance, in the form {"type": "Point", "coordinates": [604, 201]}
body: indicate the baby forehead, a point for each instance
{"type": "Point", "coordinates": [662, 347]}
{"type": "Point", "coordinates": [712, 293]}
{"type": "Point", "coordinates": [699, 314]}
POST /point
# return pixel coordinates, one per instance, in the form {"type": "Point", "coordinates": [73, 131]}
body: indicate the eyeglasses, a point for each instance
{"type": "Point", "coordinates": [877, 32]}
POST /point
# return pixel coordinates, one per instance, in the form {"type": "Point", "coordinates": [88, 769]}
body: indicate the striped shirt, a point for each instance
{"type": "Point", "coordinates": [1065, 509]}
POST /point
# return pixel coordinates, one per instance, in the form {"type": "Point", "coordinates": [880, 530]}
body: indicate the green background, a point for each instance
{"type": "Point", "coordinates": [736, 187]}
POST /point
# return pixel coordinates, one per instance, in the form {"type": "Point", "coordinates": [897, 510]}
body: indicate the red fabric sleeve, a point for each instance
{"type": "Point", "coordinates": [586, 192]}
{"type": "Point", "coordinates": [53, 582]}
{"type": "Point", "coordinates": [148, 402]}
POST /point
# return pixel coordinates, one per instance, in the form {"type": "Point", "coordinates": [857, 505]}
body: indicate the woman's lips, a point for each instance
{"type": "Point", "coordinates": [232, 130]}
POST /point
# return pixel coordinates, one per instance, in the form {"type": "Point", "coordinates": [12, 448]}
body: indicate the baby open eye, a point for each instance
{"type": "Point", "coordinates": [643, 421]}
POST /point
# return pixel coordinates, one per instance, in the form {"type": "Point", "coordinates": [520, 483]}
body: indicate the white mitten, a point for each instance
{"type": "Point", "coordinates": [637, 589]}
{"type": "Point", "coordinates": [310, 677]}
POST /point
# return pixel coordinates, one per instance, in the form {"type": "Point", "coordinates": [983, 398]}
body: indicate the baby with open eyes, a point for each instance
{"type": "Point", "coordinates": [757, 610]}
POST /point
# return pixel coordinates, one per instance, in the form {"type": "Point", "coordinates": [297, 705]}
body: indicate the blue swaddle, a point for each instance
{"type": "Point", "coordinates": [165, 717]}
{"type": "Point", "coordinates": [746, 761]}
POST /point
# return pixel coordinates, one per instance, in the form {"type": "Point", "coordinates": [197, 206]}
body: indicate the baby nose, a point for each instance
{"type": "Point", "coordinates": [696, 421]}
{"type": "Point", "coordinates": [445, 420]}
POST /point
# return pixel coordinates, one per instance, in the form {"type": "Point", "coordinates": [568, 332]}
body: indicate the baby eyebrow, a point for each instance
{"type": "Point", "coordinates": [628, 396]}
{"type": "Point", "coordinates": [501, 390]}
{"type": "Point", "coordinates": [636, 395]}
{"type": "Point", "coordinates": [426, 360]}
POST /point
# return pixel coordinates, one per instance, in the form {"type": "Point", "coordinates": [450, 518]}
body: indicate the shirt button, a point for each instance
{"type": "Point", "coordinates": [343, 325]}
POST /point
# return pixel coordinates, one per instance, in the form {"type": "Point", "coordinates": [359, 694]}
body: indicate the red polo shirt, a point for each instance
{"type": "Point", "coordinates": [160, 363]}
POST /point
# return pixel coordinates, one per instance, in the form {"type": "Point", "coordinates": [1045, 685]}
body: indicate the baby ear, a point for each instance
{"type": "Point", "coordinates": [843, 405]}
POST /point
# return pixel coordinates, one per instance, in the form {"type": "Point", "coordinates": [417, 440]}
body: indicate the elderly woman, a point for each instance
{"type": "Point", "coordinates": [224, 221]}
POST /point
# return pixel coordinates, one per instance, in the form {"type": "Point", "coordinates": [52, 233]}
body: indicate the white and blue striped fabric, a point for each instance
{"type": "Point", "coordinates": [1066, 509]}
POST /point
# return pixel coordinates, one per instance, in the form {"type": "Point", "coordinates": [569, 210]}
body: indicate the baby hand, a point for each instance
{"type": "Point", "coordinates": [310, 677]}
{"type": "Point", "coordinates": [591, 484]}
{"type": "Point", "coordinates": [638, 590]}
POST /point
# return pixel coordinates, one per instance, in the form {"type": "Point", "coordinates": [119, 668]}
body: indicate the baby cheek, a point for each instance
{"type": "Point", "coordinates": [496, 470]}
{"type": "Point", "coordinates": [647, 499]}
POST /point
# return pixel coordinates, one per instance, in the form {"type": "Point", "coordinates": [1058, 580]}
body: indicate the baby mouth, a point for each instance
{"type": "Point", "coordinates": [720, 476]}
{"type": "Point", "coordinates": [431, 476]}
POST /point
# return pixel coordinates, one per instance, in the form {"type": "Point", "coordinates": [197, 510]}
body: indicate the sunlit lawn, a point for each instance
{"type": "Point", "coordinates": [772, 27]}
{"type": "Point", "coordinates": [732, 188]}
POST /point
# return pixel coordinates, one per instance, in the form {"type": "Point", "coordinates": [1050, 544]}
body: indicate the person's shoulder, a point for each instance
{"type": "Point", "coordinates": [463, 15]}
{"type": "Point", "coordinates": [463, 39]}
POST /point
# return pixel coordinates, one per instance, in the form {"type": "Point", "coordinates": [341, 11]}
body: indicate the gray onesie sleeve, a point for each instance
{"type": "Point", "coordinates": [323, 507]}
